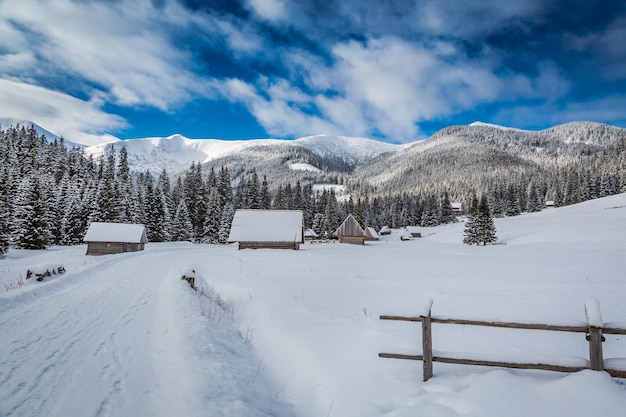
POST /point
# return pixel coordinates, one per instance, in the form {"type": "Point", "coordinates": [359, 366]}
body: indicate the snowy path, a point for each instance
{"type": "Point", "coordinates": [76, 343]}
{"type": "Point", "coordinates": [109, 341]}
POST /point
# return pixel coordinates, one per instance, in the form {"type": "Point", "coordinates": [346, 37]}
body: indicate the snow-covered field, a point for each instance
{"type": "Point", "coordinates": [296, 333]}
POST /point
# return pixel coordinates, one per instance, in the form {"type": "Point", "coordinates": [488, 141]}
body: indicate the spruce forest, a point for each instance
{"type": "Point", "coordinates": [49, 192]}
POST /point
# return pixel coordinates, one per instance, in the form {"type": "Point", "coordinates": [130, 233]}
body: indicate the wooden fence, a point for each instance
{"type": "Point", "coordinates": [594, 330]}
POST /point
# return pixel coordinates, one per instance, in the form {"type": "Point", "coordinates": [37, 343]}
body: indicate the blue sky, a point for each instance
{"type": "Point", "coordinates": [393, 70]}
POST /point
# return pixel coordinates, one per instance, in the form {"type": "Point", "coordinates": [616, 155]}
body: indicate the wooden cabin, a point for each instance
{"type": "Point", "coordinates": [385, 230]}
{"type": "Point", "coordinates": [274, 229]}
{"type": "Point", "coordinates": [111, 238]}
{"type": "Point", "coordinates": [414, 231]}
{"type": "Point", "coordinates": [371, 234]}
{"type": "Point", "coordinates": [309, 234]}
{"type": "Point", "coordinates": [457, 209]}
{"type": "Point", "coordinates": [350, 232]}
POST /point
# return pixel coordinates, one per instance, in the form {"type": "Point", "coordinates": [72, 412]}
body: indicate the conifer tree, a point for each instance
{"type": "Point", "coordinates": [226, 220]}
{"type": "Point", "coordinates": [471, 232]}
{"type": "Point", "coordinates": [30, 213]}
{"type": "Point", "coordinates": [182, 229]}
{"type": "Point", "coordinates": [486, 227]}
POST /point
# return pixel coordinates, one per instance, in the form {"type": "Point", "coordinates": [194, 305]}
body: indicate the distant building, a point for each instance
{"type": "Point", "coordinates": [385, 230]}
{"type": "Point", "coordinates": [110, 238]}
{"type": "Point", "coordinates": [549, 203]}
{"type": "Point", "coordinates": [457, 209]}
{"type": "Point", "coordinates": [277, 229]}
{"type": "Point", "coordinates": [371, 234]}
{"type": "Point", "coordinates": [414, 231]}
{"type": "Point", "coordinates": [350, 232]}
{"type": "Point", "coordinates": [309, 234]}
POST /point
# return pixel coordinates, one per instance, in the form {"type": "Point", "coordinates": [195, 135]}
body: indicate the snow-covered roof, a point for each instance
{"type": "Point", "coordinates": [116, 232]}
{"type": "Point", "coordinates": [310, 233]}
{"type": "Point", "coordinates": [371, 232]}
{"type": "Point", "coordinates": [266, 226]}
{"type": "Point", "coordinates": [413, 229]}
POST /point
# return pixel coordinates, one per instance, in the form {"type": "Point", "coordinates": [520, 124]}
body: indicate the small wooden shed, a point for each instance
{"type": "Point", "coordinates": [110, 238]}
{"type": "Point", "coordinates": [414, 231]}
{"type": "Point", "coordinates": [350, 232]}
{"type": "Point", "coordinates": [276, 229]}
{"type": "Point", "coordinates": [385, 230]}
{"type": "Point", "coordinates": [309, 234]}
{"type": "Point", "coordinates": [371, 234]}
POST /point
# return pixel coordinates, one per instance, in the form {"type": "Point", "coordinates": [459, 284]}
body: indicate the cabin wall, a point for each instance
{"type": "Point", "coordinates": [108, 248]}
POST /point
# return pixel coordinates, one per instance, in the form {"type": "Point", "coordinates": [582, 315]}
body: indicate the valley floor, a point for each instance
{"type": "Point", "coordinates": [296, 333]}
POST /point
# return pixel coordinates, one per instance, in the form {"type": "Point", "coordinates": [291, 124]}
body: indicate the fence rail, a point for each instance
{"type": "Point", "coordinates": [593, 328]}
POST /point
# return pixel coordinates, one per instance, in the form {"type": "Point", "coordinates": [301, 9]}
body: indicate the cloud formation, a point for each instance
{"type": "Point", "coordinates": [368, 68]}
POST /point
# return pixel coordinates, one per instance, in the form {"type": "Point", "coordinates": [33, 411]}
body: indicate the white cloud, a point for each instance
{"type": "Point", "coordinates": [121, 47]}
{"type": "Point", "coordinates": [604, 110]}
{"type": "Point", "coordinates": [76, 120]}
{"type": "Point", "coordinates": [272, 10]}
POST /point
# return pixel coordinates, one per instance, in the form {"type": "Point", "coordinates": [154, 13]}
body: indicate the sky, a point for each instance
{"type": "Point", "coordinates": [392, 70]}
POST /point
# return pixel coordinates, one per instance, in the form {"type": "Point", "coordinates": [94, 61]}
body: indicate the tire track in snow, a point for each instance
{"type": "Point", "coordinates": [103, 307]}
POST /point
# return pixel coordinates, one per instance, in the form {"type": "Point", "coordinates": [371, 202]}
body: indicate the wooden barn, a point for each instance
{"type": "Point", "coordinates": [371, 234]}
{"type": "Point", "coordinates": [350, 232]}
{"type": "Point", "coordinates": [276, 229]}
{"type": "Point", "coordinates": [110, 238]}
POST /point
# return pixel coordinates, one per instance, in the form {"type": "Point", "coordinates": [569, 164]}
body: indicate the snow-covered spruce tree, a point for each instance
{"type": "Point", "coordinates": [227, 218]}
{"type": "Point", "coordinates": [30, 213]}
{"type": "Point", "coordinates": [447, 215]}
{"type": "Point", "coordinates": [486, 227]}
{"type": "Point", "coordinates": [4, 229]}
{"type": "Point", "coordinates": [471, 232]}
{"type": "Point", "coordinates": [182, 229]}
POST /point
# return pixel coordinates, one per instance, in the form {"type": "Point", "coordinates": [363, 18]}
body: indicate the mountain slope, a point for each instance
{"type": "Point", "coordinates": [51, 137]}
{"type": "Point", "coordinates": [175, 153]}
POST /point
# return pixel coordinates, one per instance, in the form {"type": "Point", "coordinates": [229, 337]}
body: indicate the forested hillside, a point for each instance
{"type": "Point", "coordinates": [49, 192]}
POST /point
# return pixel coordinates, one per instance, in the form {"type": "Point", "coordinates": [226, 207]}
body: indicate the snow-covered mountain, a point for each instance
{"type": "Point", "coordinates": [51, 137]}
{"type": "Point", "coordinates": [175, 153]}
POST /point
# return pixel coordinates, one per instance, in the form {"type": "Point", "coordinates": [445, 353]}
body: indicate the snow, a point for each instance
{"type": "Point", "coordinates": [266, 226]}
{"type": "Point", "coordinates": [303, 167]}
{"type": "Point", "coordinates": [297, 333]}
{"type": "Point", "coordinates": [115, 232]}
{"type": "Point", "coordinates": [174, 152]}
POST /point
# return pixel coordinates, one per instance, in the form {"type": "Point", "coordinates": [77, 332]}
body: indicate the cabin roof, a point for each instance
{"type": "Point", "coordinates": [266, 226]}
{"type": "Point", "coordinates": [350, 227]}
{"type": "Point", "coordinates": [116, 232]}
{"type": "Point", "coordinates": [371, 232]}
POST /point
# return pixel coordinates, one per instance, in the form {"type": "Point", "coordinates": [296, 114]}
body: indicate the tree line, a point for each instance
{"type": "Point", "coordinates": [50, 193]}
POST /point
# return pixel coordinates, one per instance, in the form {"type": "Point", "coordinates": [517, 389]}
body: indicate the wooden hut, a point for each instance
{"type": "Point", "coordinates": [276, 229]}
{"type": "Point", "coordinates": [385, 230]}
{"type": "Point", "coordinates": [110, 238]}
{"type": "Point", "coordinates": [414, 231]}
{"type": "Point", "coordinates": [371, 234]}
{"type": "Point", "coordinates": [309, 234]}
{"type": "Point", "coordinates": [350, 232]}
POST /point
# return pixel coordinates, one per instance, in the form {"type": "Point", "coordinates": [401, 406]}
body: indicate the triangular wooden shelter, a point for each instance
{"type": "Point", "coordinates": [350, 232]}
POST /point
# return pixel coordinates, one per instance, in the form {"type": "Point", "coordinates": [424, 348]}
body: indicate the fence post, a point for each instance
{"type": "Point", "coordinates": [427, 345]}
{"type": "Point", "coordinates": [594, 323]}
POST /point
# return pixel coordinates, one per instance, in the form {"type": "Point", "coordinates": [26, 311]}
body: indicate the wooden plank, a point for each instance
{"type": "Point", "coordinates": [461, 361]}
{"type": "Point", "coordinates": [616, 373]}
{"type": "Point", "coordinates": [613, 330]}
{"type": "Point", "coordinates": [533, 326]}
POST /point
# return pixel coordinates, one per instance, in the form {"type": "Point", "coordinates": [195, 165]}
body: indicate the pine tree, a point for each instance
{"type": "Point", "coordinates": [471, 231]}
{"type": "Point", "coordinates": [486, 227]}
{"type": "Point", "coordinates": [226, 220]}
{"type": "Point", "coordinates": [30, 213]}
{"type": "Point", "coordinates": [182, 229]}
